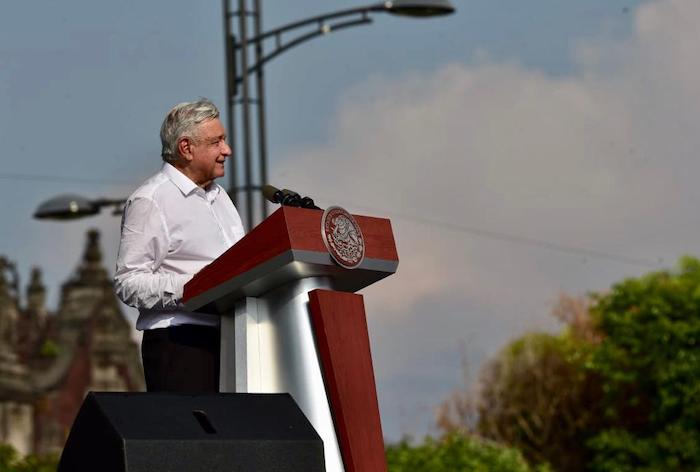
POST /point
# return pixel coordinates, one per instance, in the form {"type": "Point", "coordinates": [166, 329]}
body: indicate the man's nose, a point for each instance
{"type": "Point", "coordinates": [226, 151]}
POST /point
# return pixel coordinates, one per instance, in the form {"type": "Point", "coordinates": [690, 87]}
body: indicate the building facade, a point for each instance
{"type": "Point", "coordinates": [49, 361]}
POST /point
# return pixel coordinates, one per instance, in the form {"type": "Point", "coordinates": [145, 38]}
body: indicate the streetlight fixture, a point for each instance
{"type": "Point", "coordinates": [419, 8]}
{"type": "Point", "coordinates": [238, 68]}
{"type": "Point", "coordinates": [71, 207]}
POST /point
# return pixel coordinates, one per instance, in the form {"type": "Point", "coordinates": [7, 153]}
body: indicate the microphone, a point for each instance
{"type": "Point", "coordinates": [290, 198]}
{"type": "Point", "coordinates": [272, 194]}
{"type": "Point", "coordinates": [283, 197]}
{"type": "Point", "coordinates": [304, 202]}
{"type": "Point", "coordinates": [287, 197]}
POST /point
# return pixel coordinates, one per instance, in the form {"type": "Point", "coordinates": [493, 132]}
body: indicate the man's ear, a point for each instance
{"type": "Point", "coordinates": [184, 148]}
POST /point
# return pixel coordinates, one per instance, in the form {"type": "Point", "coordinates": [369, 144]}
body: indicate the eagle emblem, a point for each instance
{"type": "Point", "coordinates": [343, 237]}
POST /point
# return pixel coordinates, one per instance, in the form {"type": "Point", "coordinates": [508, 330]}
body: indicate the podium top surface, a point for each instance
{"type": "Point", "coordinates": [288, 246]}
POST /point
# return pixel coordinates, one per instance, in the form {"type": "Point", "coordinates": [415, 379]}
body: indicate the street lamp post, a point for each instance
{"type": "Point", "coordinates": [248, 177]}
{"type": "Point", "coordinates": [65, 207]}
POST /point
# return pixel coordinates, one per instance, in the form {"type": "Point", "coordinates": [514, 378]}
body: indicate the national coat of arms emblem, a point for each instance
{"type": "Point", "coordinates": [343, 237]}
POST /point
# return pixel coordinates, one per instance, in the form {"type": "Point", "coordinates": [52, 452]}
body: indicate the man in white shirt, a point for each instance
{"type": "Point", "coordinates": [173, 225]}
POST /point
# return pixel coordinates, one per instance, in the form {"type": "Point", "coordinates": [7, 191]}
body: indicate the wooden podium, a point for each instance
{"type": "Point", "coordinates": [290, 322]}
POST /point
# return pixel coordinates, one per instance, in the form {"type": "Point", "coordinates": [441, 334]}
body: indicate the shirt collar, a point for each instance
{"type": "Point", "coordinates": [186, 185]}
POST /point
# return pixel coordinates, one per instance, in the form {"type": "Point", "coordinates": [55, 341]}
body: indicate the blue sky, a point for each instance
{"type": "Point", "coordinates": [115, 67]}
{"type": "Point", "coordinates": [478, 121]}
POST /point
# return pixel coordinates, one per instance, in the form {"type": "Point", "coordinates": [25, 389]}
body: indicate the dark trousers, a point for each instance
{"type": "Point", "coordinates": [181, 359]}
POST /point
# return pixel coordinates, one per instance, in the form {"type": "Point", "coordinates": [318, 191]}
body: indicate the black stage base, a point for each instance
{"type": "Point", "coordinates": [158, 432]}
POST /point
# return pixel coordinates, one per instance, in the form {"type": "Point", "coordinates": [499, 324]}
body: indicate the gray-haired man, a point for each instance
{"type": "Point", "coordinates": [174, 224]}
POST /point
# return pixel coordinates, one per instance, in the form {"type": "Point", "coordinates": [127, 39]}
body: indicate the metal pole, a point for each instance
{"type": "Point", "coordinates": [245, 102]}
{"type": "Point", "coordinates": [260, 86]}
{"type": "Point", "coordinates": [233, 139]}
{"type": "Point", "coordinates": [230, 63]}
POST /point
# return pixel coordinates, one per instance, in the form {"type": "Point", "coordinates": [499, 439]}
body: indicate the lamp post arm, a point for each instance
{"type": "Point", "coordinates": [322, 30]}
{"type": "Point", "coordinates": [117, 204]}
{"type": "Point", "coordinates": [315, 19]}
{"type": "Point", "coordinates": [102, 202]}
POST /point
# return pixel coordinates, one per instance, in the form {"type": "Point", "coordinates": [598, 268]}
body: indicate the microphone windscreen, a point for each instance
{"type": "Point", "coordinates": [269, 193]}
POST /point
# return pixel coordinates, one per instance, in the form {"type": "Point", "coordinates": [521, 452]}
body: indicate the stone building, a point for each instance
{"type": "Point", "coordinates": [49, 361]}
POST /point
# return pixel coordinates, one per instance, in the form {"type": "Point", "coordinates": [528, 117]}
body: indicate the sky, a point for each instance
{"type": "Point", "coordinates": [521, 150]}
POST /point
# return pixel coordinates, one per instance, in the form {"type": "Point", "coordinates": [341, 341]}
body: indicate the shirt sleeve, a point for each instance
{"type": "Point", "coordinates": [138, 280]}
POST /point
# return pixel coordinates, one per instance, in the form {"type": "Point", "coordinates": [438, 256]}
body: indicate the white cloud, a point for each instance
{"type": "Point", "coordinates": [604, 159]}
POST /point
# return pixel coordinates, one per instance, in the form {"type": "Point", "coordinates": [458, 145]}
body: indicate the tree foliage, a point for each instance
{"type": "Point", "coordinates": [537, 395]}
{"type": "Point", "coordinates": [455, 453]}
{"type": "Point", "coordinates": [649, 364]}
{"type": "Point", "coordinates": [617, 390]}
{"type": "Point", "coordinates": [10, 461]}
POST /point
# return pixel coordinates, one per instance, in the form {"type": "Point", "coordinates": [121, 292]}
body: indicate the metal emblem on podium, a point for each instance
{"type": "Point", "coordinates": [342, 237]}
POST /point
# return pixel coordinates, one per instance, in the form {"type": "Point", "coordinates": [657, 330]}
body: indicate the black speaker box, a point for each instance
{"type": "Point", "coordinates": [159, 432]}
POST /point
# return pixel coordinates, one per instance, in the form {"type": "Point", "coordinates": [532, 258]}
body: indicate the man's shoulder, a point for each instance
{"type": "Point", "coordinates": [153, 188]}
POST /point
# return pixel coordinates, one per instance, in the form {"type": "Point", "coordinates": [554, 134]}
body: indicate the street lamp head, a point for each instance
{"type": "Point", "coordinates": [66, 207]}
{"type": "Point", "coordinates": [419, 8]}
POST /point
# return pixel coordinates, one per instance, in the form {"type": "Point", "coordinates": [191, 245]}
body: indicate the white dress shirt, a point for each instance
{"type": "Point", "coordinates": [171, 229]}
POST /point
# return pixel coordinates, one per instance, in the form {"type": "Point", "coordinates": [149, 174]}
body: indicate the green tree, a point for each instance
{"type": "Point", "coordinates": [536, 395]}
{"type": "Point", "coordinates": [618, 390]}
{"type": "Point", "coordinates": [8, 457]}
{"type": "Point", "coordinates": [649, 365]}
{"type": "Point", "coordinates": [456, 453]}
{"type": "Point", "coordinates": [10, 461]}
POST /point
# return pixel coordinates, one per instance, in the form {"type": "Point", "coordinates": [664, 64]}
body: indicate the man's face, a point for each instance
{"type": "Point", "coordinates": [209, 151]}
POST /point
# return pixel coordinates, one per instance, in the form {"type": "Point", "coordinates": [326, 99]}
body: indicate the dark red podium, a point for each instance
{"type": "Point", "coordinates": [291, 323]}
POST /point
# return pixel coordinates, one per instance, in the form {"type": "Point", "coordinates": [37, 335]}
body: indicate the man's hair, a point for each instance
{"type": "Point", "coordinates": [182, 121]}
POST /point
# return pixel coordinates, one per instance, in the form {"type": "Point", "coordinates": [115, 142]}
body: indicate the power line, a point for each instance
{"type": "Point", "coordinates": [64, 179]}
{"type": "Point", "coordinates": [523, 240]}
{"type": "Point", "coordinates": [479, 232]}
